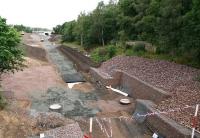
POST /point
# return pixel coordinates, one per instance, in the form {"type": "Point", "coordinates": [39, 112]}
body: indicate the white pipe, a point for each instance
{"type": "Point", "coordinates": [195, 115]}
{"type": "Point", "coordinates": [91, 119]}
{"type": "Point", "coordinates": [118, 91]}
{"type": "Point", "coordinates": [71, 85]}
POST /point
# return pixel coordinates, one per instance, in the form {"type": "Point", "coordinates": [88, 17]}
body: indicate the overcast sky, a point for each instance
{"type": "Point", "coordinates": [44, 13]}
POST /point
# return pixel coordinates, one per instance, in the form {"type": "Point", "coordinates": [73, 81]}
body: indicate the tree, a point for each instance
{"type": "Point", "coordinates": [170, 25]}
{"type": "Point", "coordinates": [23, 28]}
{"type": "Point", "coordinates": [11, 56]}
{"type": "Point", "coordinates": [68, 31]}
{"type": "Point", "coordinates": [81, 27]}
{"type": "Point", "coordinates": [58, 29]}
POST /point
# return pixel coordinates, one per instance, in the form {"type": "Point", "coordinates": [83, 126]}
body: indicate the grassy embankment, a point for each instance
{"type": "Point", "coordinates": [101, 54]}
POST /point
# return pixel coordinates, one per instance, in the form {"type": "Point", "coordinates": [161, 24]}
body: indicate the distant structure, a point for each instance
{"type": "Point", "coordinates": [43, 32]}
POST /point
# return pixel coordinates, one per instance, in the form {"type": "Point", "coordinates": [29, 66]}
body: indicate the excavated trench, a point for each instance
{"type": "Point", "coordinates": [73, 102]}
{"type": "Point", "coordinates": [79, 105]}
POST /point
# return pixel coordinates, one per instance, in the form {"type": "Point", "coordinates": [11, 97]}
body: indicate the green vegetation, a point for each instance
{"type": "Point", "coordinates": [11, 56]}
{"type": "Point", "coordinates": [3, 102]}
{"type": "Point", "coordinates": [74, 45]}
{"type": "Point", "coordinates": [172, 26]}
{"type": "Point", "coordinates": [23, 28]}
{"type": "Point", "coordinates": [27, 29]}
{"type": "Point", "coordinates": [197, 78]}
{"type": "Point", "coordinates": [101, 54]}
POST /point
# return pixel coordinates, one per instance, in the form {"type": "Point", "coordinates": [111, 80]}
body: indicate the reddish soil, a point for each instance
{"type": "Point", "coordinates": [31, 79]}
{"type": "Point", "coordinates": [37, 77]}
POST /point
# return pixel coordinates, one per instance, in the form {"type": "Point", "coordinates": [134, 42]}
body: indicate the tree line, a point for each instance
{"type": "Point", "coordinates": [173, 26]}
{"type": "Point", "coordinates": [28, 29]}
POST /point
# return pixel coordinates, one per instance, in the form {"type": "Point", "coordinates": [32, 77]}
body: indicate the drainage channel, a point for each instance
{"type": "Point", "coordinates": [73, 102]}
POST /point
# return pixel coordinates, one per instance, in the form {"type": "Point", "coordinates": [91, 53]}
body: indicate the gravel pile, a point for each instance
{"type": "Point", "coordinates": [178, 80]}
{"type": "Point", "coordinates": [51, 120]}
{"type": "Point", "coordinates": [69, 131]}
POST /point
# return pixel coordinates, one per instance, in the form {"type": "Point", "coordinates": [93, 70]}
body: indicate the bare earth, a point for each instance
{"type": "Point", "coordinates": [37, 77]}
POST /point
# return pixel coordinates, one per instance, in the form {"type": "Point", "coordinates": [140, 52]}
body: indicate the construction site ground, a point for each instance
{"type": "Point", "coordinates": [30, 93]}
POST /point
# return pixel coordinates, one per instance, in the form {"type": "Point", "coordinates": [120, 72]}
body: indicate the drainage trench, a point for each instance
{"type": "Point", "coordinates": [73, 102]}
{"type": "Point", "coordinates": [79, 105]}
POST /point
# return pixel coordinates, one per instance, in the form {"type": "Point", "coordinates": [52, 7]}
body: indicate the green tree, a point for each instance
{"type": "Point", "coordinates": [68, 31]}
{"type": "Point", "coordinates": [23, 28]}
{"type": "Point", "coordinates": [58, 29]}
{"type": "Point", "coordinates": [11, 56]}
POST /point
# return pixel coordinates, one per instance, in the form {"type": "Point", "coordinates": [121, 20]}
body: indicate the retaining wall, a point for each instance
{"type": "Point", "coordinates": [35, 52]}
{"type": "Point", "coordinates": [138, 89]}
{"type": "Point", "coordinates": [150, 96]}
{"type": "Point", "coordinates": [135, 87]}
{"type": "Point", "coordinates": [83, 62]}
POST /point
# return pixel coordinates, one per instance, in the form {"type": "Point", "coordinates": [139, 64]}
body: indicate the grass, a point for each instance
{"type": "Point", "coordinates": [3, 101]}
{"type": "Point", "coordinates": [74, 45]}
{"type": "Point", "coordinates": [197, 78]}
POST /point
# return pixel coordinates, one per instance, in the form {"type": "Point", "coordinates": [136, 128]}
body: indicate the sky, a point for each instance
{"type": "Point", "coordinates": [44, 13]}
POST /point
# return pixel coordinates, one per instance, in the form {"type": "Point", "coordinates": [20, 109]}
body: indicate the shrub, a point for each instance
{"type": "Point", "coordinates": [139, 47]}
{"type": "Point", "coordinates": [103, 53]}
{"type": "Point", "coordinates": [3, 102]}
{"type": "Point", "coordinates": [11, 56]}
{"type": "Point", "coordinates": [99, 55]}
{"type": "Point", "coordinates": [112, 50]}
{"type": "Point", "coordinates": [197, 78]}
